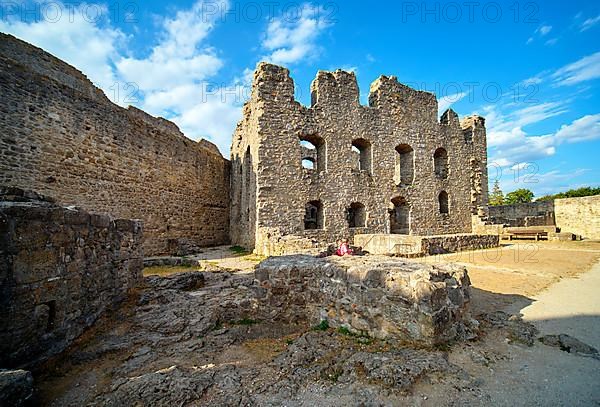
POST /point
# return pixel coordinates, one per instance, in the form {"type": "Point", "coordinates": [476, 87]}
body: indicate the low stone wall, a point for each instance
{"type": "Point", "coordinates": [60, 268]}
{"type": "Point", "coordinates": [413, 246]}
{"type": "Point", "coordinates": [580, 216]}
{"type": "Point", "coordinates": [525, 214]}
{"type": "Point", "coordinates": [371, 295]}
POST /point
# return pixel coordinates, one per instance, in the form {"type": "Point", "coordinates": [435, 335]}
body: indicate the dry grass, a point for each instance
{"type": "Point", "coordinates": [168, 270]}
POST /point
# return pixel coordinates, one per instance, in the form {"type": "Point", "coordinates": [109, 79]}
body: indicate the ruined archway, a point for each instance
{"type": "Point", "coordinates": [440, 163]}
{"type": "Point", "coordinates": [356, 215]}
{"type": "Point", "coordinates": [400, 216]}
{"type": "Point", "coordinates": [405, 166]}
{"type": "Point", "coordinates": [313, 215]}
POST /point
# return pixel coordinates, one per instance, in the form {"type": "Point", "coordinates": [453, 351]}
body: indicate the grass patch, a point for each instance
{"type": "Point", "coordinates": [255, 257]}
{"type": "Point", "coordinates": [167, 270]}
{"type": "Point", "coordinates": [323, 326]}
{"type": "Point", "coordinates": [239, 250]}
{"type": "Point", "coordinates": [360, 337]}
{"type": "Point", "coordinates": [332, 373]}
{"type": "Point", "coordinates": [345, 331]}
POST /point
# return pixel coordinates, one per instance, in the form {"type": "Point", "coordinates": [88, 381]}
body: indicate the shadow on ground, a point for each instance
{"type": "Point", "coordinates": [183, 343]}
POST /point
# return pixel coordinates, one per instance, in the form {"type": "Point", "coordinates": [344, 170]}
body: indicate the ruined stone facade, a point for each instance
{"type": "Point", "coordinates": [309, 175]}
{"type": "Point", "coordinates": [62, 137]}
{"type": "Point", "coordinates": [60, 268]}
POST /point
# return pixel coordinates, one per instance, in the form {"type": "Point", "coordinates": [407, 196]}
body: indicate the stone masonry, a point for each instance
{"type": "Point", "coordinates": [311, 175]}
{"type": "Point", "coordinates": [62, 137]}
{"type": "Point", "coordinates": [580, 216]}
{"type": "Point", "coordinates": [372, 295]}
{"type": "Point", "coordinates": [60, 268]}
{"type": "Point", "coordinates": [415, 246]}
{"type": "Point", "coordinates": [540, 213]}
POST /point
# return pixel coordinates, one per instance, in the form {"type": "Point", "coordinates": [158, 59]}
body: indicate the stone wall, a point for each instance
{"type": "Point", "coordinates": [526, 214]}
{"type": "Point", "coordinates": [370, 295]}
{"type": "Point", "coordinates": [61, 136]}
{"type": "Point", "coordinates": [60, 268]}
{"type": "Point", "coordinates": [580, 216]}
{"type": "Point", "coordinates": [404, 161]}
{"type": "Point", "coordinates": [414, 246]}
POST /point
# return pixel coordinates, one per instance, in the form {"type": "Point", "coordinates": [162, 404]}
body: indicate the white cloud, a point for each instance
{"type": "Point", "coordinates": [534, 80]}
{"type": "Point", "coordinates": [173, 80]}
{"type": "Point", "coordinates": [540, 32]}
{"type": "Point", "coordinates": [178, 58]}
{"type": "Point", "coordinates": [589, 23]}
{"type": "Point", "coordinates": [499, 121]}
{"type": "Point", "coordinates": [178, 80]}
{"type": "Point", "coordinates": [583, 129]}
{"type": "Point", "coordinates": [290, 40]}
{"type": "Point", "coordinates": [446, 101]}
{"type": "Point", "coordinates": [516, 146]}
{"type": "Point", "coordinates": [510, 147]}
{"type": "Point", "coordinates": [543, 30]}
{"type": "Point", "coordinates": [80, 41]}
{"type": "Point", "coordinates": [529, 176]}
{"type": "Point", "coordinates": [586, 68]}
{"type": "Point", "coordinates": [214, 119]}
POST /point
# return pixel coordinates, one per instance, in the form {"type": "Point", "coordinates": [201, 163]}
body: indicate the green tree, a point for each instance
{"type": "Point", "coordinates": [497, 196]}
{"type": "Point", "coordinates": [521, 195]}
{"type": "Point", "coordinates": [572, 193]}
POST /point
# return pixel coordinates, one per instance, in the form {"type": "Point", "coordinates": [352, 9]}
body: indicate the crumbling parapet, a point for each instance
{"type": "Point", "coordinates": [60, 269]}
{"type": "Point", "coordinates": [372, 295]}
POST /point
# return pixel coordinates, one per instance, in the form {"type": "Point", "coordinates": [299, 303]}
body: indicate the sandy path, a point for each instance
{"type": "Point", "coordinates": [571, 306]}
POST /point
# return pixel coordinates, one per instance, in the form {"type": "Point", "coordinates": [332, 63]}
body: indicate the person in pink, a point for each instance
{"type": "Point", "coordinates": [344, 248]}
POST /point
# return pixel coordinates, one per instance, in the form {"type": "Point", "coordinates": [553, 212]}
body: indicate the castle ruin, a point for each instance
{"type": "Point", "coordinates": [302, 176]}
{"type": "Point", "coordinates": [114, 185]}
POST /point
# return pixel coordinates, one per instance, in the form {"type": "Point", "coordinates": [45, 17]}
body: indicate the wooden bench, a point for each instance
{"type": "Point", "coordinates": [528, 234]}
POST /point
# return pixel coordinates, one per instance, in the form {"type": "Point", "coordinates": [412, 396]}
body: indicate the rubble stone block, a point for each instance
{"type": "Point", "coordinates": [380, 296]}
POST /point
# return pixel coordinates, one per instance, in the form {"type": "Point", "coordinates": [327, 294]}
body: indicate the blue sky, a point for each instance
{"type": "Point", "coordinates": [531, 68]}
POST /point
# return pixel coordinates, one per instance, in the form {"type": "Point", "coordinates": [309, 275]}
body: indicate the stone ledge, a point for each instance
{"type": "Point", "coordinates": [415, 246]}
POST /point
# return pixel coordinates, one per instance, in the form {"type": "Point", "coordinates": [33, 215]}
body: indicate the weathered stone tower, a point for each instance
{"type": "Point", "coordinates": [303, 176]}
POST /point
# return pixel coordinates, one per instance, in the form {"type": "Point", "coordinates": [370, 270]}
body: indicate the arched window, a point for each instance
{"type": "Point", "coordinates": [308, 163]}
{"type": "Point", "coordinates": [313, 215]}
{"type": "Point", "coordinates": [405, 166]}
{"type": "Point", "coordinates": [362, 151]}
{"type": "Point", "coordinates": [400, 216]}
{"type": "Point", "coordinates": [356, 215]}
{"type": "Point", "coordinates": [440, 163]}
{"type": "Point", "coordinates": [443, 202]}
{"type": "Point", "coordinates": [312, 147]}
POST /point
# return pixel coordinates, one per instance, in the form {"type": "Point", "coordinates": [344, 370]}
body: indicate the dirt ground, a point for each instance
{"type": "Point", "coordinates": [221, 258]}
{"type": "Point", "coordinates": [526, 267]}
{"type": "Point", "coordinates": [555, 287]}
{"type": "Point", "coordinates": [153, 351]}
